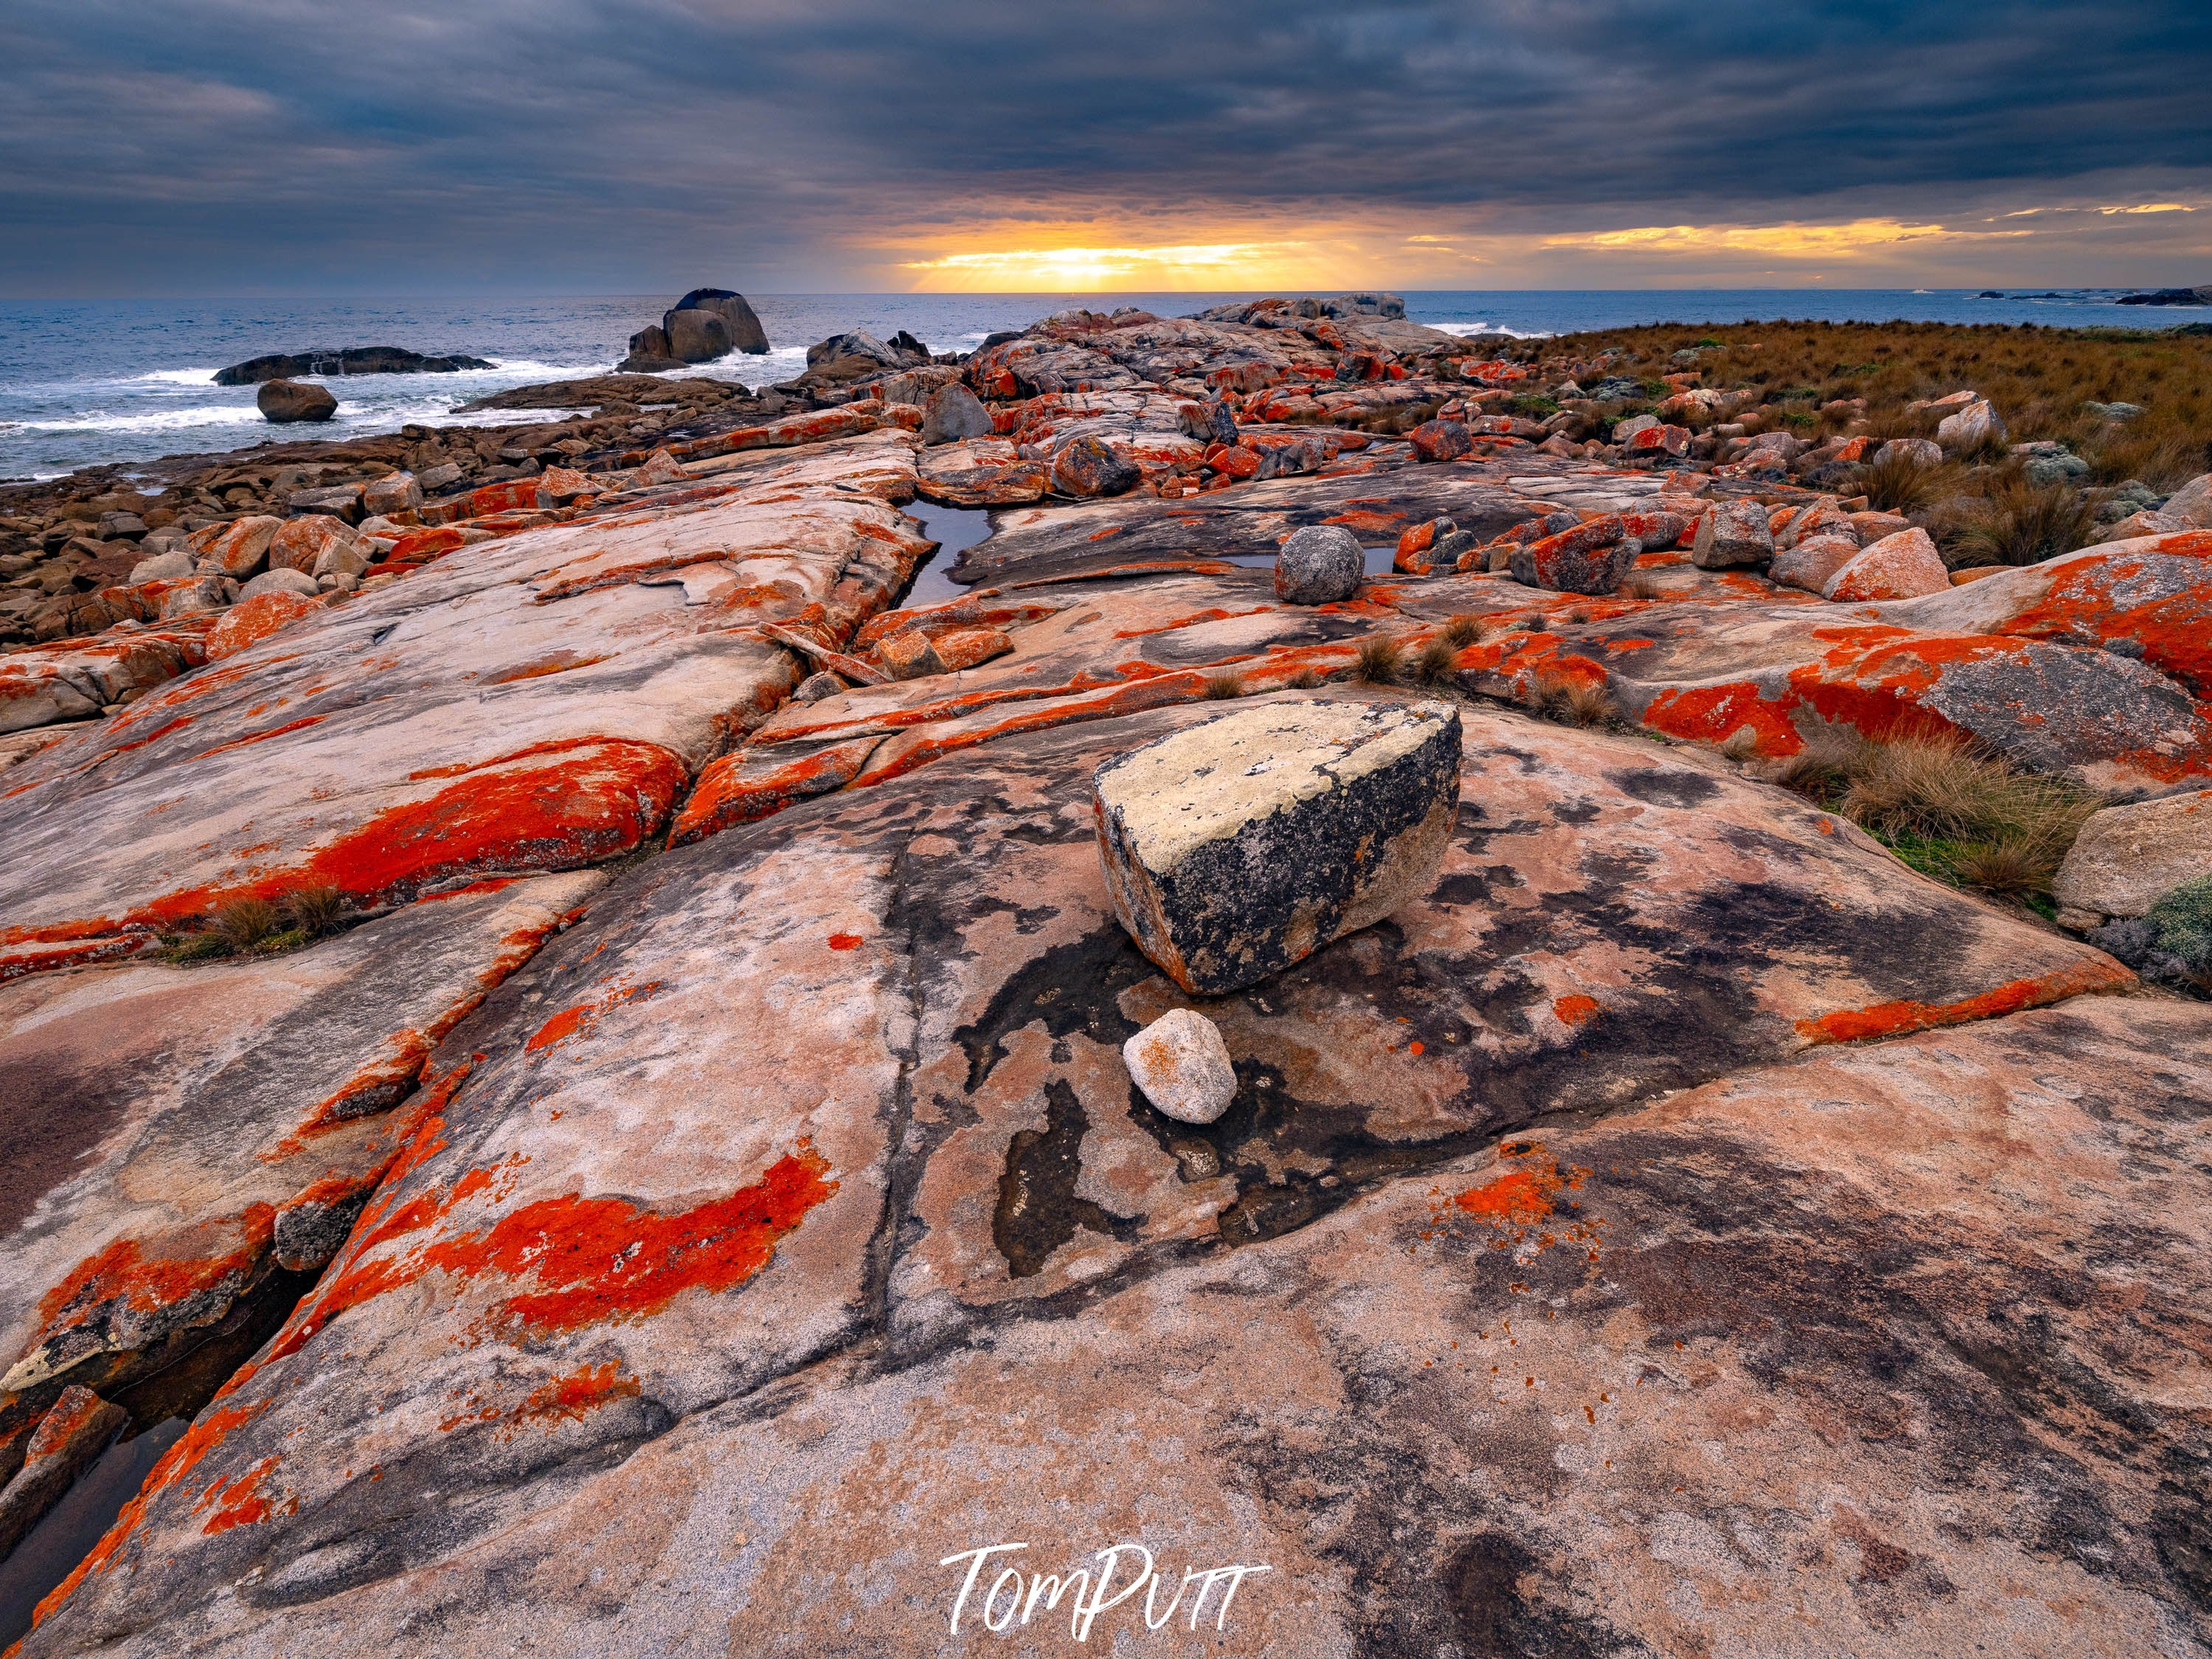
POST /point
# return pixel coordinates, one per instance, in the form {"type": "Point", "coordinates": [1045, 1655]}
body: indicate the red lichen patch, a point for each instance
{"type": "Point", "coordinates": [1519, 1198]}
{"type": "Point", "coordinates": [1101, 535]}
{"type": "Point", "coordinates": [750, 784]}
{"type": "Point", "coordinates": [558, 662]}
{"type": "Point", "coordinates": [75, 1410]}
{"type": "Point", "coordinates": [19, 963]}
{"type": "Point", "coordinates": [1889, 1019]}
{"type": "Point", "coordinates": [262, 737]}
{"type": "Point", "coordinates": [580, 1020]}
{"type": "Point", "coordinates": [1710, 713]}
{"type": "Point", "coordinates": [1216, 614]}
{"type": "Point", "coordinates": [1574, 1009]}
{"type": "Point", "coordinates": [255, 620]}
{"type": "Point", "coordinates": [586, 1261]}
{"type": "Point", "coordinates": [1375, 524]}
{"type": "Point", "coordinates": [149, 1274]}
{"type": "Point", "coordinates": [238, 1502]}
{"type": "Point", "coordinates": [844, 941]}
{"type": "Point", "coordinates": [207, 1431]}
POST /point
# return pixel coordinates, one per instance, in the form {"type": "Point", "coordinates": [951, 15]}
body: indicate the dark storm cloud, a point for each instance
{"type": "Point", "coordinates": [271, 143]}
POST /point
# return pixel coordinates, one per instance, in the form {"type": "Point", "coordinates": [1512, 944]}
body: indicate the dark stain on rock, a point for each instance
{"type": "Point", "coordinates": [1071, 987]}
{"type": "Point", "coordinates": [1666, 786]}
{"type": "Point", "coordinates": [1498, 1620]}
{"type": "Point", "coordinates": [1038, 1210]}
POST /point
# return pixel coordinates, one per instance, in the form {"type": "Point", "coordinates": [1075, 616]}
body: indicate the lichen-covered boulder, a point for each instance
{"type": "Point", "coordinates": [953, 413]}
{"type": "Point", "coordinates": [1594, 558]}
{"type": "Point", "coordinates": [1811, 563]}
{"type": "Point", "coordinates": [1441, 440]}
{"type": "Point", "coordinates": [1239, 847]}
{"type": "Point", "coordinates": [1182, 1065]}
{"type": "Point", "coordinates": [1906, 566]}
{"type": "Point", "coordinates": [1090, 467]}
{"type": "Point", "coordinates": [1732, 534]}
{"type": "Point", "coordinates": [1320, 564]}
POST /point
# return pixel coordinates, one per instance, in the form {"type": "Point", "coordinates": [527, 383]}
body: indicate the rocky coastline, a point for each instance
{"type": "Point", "coordinates": [632, 1030]}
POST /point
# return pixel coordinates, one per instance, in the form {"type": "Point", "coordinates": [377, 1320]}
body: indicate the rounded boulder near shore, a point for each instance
{"type": "Point", "coordinates": [285, 401]}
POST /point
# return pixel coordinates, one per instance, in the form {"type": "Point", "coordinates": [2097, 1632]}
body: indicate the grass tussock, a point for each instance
{"type": "Point", "coordinates": [1464, 630]}
{"type": "Point", "coordinates": [1439, 661]}
{"type": "Point", "coordinates": [1305, 680]}
{"type": "Point", "coordinates": [2014, 522]}
{"type": "Point", "coordinates": [1571, 701]}
{"type": "Point", "coordinates": [244, 923]}
{"type": "Point", "coordinates": [1947, 809]}
{"type": "Point", "coordinates": [1900, 483]}
{"type": "Point", "coordinates": [317, 912]}
{"type": "Point", "coordinates": [258, 927]}
{"type": "Point", "coordinates": [1219, 687]}
{"type": "Point", "coordinates": [1382, 659]}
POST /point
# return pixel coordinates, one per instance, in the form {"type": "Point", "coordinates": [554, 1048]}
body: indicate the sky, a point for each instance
{"type": "Point", "coordinates": [245, 147]}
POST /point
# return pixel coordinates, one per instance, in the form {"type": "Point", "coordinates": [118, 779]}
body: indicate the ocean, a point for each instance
{"type": "Point", "coordinates": [83, 383]}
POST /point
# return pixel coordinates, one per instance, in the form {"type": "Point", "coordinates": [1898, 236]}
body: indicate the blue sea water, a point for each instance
{"type": "Point", "coordinates": [120, 380]}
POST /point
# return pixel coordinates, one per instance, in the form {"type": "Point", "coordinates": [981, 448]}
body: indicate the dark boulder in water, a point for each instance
{"type": "Point", "coordinates": [285, 401]}
{"type": "Point", "coordinates": [353, 360]}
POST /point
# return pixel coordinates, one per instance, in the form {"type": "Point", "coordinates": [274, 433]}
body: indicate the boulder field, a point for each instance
{"type": "Point", "coordinates": [686, 1191]}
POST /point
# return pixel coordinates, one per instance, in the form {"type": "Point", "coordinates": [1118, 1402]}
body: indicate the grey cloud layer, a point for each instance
{"type": "Point", "coordinates": [590, 145]}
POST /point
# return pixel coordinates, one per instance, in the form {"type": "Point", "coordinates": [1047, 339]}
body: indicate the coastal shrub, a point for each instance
{"type": "Point", "coordinates": [2172, 945]}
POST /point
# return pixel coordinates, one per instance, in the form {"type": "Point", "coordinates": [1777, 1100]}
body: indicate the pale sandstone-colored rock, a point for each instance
{"type": "Point", "coordinates": [1242, 845]}
{"type": "Point", "coordinates": [1975, 423]}
{"type": "Point", "coordinates": [1181, 1064]}
{"type": "Point", "coordinates": [1732, 533]}
{"type": "Point", "coordinates": [2128, 858]}
{"type": "Point", "coordinates": [1905, 566]}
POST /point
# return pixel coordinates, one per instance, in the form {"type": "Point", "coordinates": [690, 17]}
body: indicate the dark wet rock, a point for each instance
{"type": "Point", "coordinates": [1089, 467]}
{"type": "Point", "coordinates": [73, 1431]}
{"type": "Point", "coordinates": [353, 360]}
{"type": "Point", "coordinates": [283, 401]}
{"type": "Point", "coordinates": [953, 413]}
{"type": "Point", "coordinates": [1320, 564]}
{"type": "Point", "coordinates": [1242, 845]}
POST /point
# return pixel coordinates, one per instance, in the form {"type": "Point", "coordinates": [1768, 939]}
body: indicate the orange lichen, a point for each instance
{"type": "Point", "coordinates": [580, 1020]}
{"type": "Point", "coordinates": [149, 1274]}
{"type": "Point", "coordinates": [238, 1502]}
{"type": "Point", "coordinates": [844, 941]}
{"type": "Point", "coordinates": [1574, 1009]}
{"type": "Point", "coordinates": [1888, 1019]}
{"type": "Point", "coordinates": [1519, 1198]}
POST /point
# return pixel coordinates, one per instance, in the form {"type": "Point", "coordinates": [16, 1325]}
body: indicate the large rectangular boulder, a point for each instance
{"type": "Point", "coordinates": [1242, 845]}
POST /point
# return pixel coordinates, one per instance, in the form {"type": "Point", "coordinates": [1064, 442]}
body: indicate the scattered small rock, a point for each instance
{"type": "Point", "coordinates": [1182, 1065]}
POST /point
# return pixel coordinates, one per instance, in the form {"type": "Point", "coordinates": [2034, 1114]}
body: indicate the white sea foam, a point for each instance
{"type": "Point", "coordinates": [167, 419]}
{"type": "Point", "coordinates": [1468, 331]}
{"type": "Point", "coordinates": [177, 377]}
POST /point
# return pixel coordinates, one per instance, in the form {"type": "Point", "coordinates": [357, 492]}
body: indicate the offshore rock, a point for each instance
{"type": "Point", "coordinates": [1181, 1064]}
{"type": "Point", "coordinates": [282, 401]}
{"type": "Point", "coordinates": [354, 360]}
{"type": "Point", "coordinates": [1243, 844]}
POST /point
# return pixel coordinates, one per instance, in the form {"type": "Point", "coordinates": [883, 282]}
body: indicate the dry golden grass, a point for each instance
{"type": "Point", "coordinates": [2038, 378]}
{"type": "Point", "coordinates": [1305, 680]}
{"type": "Point", "coordinates": [1381, 658]}
{"type": "Point", "coordinates": [315, 911]}
{"type": "Point", "coordinates": [1571, 701]}
{"type": "Point", "coordinates": [1947, 809]}
{"type": "Point", "coordinates": [1221, 686]}
{"type": "Point", "coordinates": [2012, 521]}
{"type": "Point", "coordinates": [244, 923]}
{"type": "Point", "coordinates": [1439, 661]}
{"type": "Point", "coordinates": [1464, 630]}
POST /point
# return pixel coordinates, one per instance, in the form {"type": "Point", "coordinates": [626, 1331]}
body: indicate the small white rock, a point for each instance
{"type": "Point", "coordinates": [1181, 1064]}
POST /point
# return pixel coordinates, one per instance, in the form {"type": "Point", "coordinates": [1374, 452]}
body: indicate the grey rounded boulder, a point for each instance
{"type": "Point", "coordinates": [1320, 564]}
{"type": "Point", "coordinates": [953, 413]}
